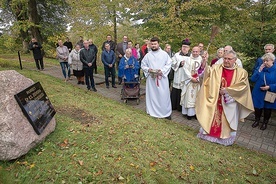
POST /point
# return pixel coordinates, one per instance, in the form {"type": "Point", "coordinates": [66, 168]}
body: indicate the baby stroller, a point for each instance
{"type": "Point", "coordinates": [131, 86]}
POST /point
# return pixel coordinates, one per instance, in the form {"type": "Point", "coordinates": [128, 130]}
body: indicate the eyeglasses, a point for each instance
{"type": "Point", "coordinates": [228, 59]}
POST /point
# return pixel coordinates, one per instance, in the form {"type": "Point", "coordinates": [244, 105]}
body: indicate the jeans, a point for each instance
{"type": "Point", "coordinates": [89, 79]}
{"type": "Point", "coordinates": [107, 71]}
{"type": "Point", "coordinates": [64, 66]}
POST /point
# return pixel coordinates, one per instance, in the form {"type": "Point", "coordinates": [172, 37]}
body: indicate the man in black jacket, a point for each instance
{"type": "Point", "coordinates": [95, 50]}
{"type": "Point", "coordinates": [87, 57]}
{"type": "Point", "coordinates": [68, 44]}
{"type": "Point", "coordinates": [36, 48]}
{"type": "Point", "coordinates": [110, 42]}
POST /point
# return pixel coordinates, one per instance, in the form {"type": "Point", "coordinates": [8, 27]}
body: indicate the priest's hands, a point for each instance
{"type": "Point", "coordinates": [194, 80]}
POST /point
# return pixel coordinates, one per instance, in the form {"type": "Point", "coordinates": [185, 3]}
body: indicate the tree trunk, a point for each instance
{"type": "Point", "coordinates": [25, 41]}
{"type": "Point", "coordinates": [115, 24]}
{"type": "Point", "coordinates": [34, 18]}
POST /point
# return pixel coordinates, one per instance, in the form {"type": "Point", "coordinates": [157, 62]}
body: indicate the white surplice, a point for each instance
{"type": "Point", "coordinates": [190, 89]}
{"type": "Point", "coordinates": [178, 71]}
{"type": "Point", "coordinates": [158, 101]}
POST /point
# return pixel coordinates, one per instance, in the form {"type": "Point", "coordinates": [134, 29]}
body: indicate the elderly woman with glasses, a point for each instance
{"type": "Point", "coordinates": [224, 99]}
{"type": "Point", "coordinates": [265, 80]}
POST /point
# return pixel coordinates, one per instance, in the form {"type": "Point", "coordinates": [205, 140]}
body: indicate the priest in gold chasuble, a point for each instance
{"type": "Point", "coordinates": [223, 100]}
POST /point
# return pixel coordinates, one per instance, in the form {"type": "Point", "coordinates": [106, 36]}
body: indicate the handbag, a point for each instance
{"type": "Point", "coordinates": [269, 96]}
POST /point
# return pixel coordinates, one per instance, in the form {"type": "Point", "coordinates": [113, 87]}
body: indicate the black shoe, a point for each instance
{"type": "Point", "coordinates": [107, 87]}
{"type": "Point", "coordinates": [169, 117]}
{"type": "Point", "coordinates": [79, 82]}
{"type": "Point", "coordinates": [114, 86]}
{"type": "Point", "coordinates": [94, 89]}
{"type": "Point", "coordinates": [189, 117]}
{"type": "Point", "coordinates": [120, 83]}
{"type": "Point", "coordinates": [264, 126]}
{"type": "Point", "coordinates": [255, 124]}
{"type": "Point", "coordinates": [82, 83]}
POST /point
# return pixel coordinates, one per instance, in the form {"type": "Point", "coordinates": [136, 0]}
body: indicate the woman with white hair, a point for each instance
{"type": "Point", "coordinates": [128, 67]}
{"type": "Point", "coordinates": [265, 81]}
{"type": "Point", "coordinates": [220, 53]}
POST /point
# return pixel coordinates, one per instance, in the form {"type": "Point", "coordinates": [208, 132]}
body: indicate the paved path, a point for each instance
{"type": "Point", "coordinates": [251, 138]}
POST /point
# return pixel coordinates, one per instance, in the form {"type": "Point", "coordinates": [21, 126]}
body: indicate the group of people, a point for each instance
{"type": "Point", "coordinates": [217, 95]}
{"type": "Point", "coordinates": [82, 60]}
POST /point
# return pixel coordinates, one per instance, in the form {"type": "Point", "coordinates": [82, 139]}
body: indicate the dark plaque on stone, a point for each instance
{"type": "Point", "coordinates": [36, 106]}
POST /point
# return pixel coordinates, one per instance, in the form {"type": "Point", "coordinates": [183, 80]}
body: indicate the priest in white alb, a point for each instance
{"type": "Point", "coordinates": [190, 83]}
{"type": "Point", "coordinates": [178, 62]}
{"type": "Point", "coordinates": [156, 66]}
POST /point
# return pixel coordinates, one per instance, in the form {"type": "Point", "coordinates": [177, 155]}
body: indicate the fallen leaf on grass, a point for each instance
{"type": "Point", "coordinates": [153, 164]}
{"type": "Point", "coordinates": [32, 166]}
{"type": "Point", "coordinates": [22, 163]}
{"type": "Point", "coordinates": [121, 178]}
{"type": "Point", "coordinates": [100, 172]}
{"type": "Point", "coordinates": [254, 172]}
{"type": "Point", "coordinates": [65, 141]}
{"type": "Point", "coordinates": [118, 159]}
{"type": "Point", "coordinates": [80, 162]}
{"type": "Point", "coordinates": [153, 169]}
{"type": "Point", "coordinates": [192, 168]}
{"type": "Point", "coordinates": [64, 144]}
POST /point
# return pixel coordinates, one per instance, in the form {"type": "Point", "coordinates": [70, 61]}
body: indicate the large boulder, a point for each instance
{"type": "Point", "coordinates": [17, 135]}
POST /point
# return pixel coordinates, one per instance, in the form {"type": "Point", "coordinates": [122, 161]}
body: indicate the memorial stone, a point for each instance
{"type": "Point", "coordinates": [17, 135]}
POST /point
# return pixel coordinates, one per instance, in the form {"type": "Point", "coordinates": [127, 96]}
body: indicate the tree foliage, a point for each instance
{"type": "Point", "coordinates": [247, 25]}
{"type": "Point", "coordinates": [34, 18]}
{"type": "Point", "coordinates": [97, 18]}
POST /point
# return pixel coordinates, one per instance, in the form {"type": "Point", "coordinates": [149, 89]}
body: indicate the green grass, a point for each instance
{"type": "Point", "coordinates": [98, 140]}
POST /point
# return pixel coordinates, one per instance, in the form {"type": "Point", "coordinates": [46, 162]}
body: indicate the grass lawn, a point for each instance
{"type": "Point", "coordinates": [98, 140]}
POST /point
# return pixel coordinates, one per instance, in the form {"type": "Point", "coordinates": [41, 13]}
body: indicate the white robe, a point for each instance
{"type": "Point", "coordinates": [178, 72]}
{"type": "Point", "coordinates": [190, 89]}
{"type": "Point", "coordinates": [158, 102]}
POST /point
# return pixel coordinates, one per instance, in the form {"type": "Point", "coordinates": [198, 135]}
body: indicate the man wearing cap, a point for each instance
{"type": "Point", "coordinates": [178, 61]}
